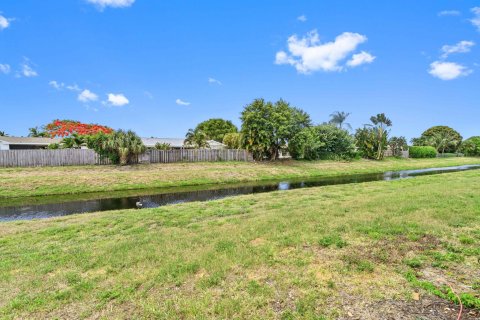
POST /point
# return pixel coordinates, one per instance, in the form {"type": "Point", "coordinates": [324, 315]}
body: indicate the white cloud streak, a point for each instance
{"type": "Point", "coordinates": [117, 100]}
{"type": "Point", "coordinates": [56, 85]}
{"type": "Point", "coordinates": [448, 70]}
{"type": "Point", "coordinates": [27, 70]}
{"type": "Point", "coordinates": [302, 18]}
{"type": "Point", "coordinates": [214, 81]}
{"type": "Point", "coordinates": [5, 68]}
{"type": "Point", "coordinates": [102, 4]}
{"type": "Point", "coordinates": [460, 47]}
{"type": "Point", "coordinates": [360, 58]}
{"type": "Point", "coordinates": [308, 55]}
{"type": "Point", "coordinates": [446, 13]}
{"type": "Point", "coordinates": [180, 102]}
{"type": "Point", "coordinates": [476, 20]}
{"type": "Point", "coordinates": [4, 22]}
{"type": "Point", "coordinates": [87, 96]}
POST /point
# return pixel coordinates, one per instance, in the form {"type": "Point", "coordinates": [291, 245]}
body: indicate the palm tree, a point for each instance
{"type": "Point", "coordinates": [380, 124]}
{"type": "Point", "coordinates": [338, 119]}
{"type": "Point", "coordinates": [442, 140]}
{"type": "Point", "coordinates": [35, 132]}
{"type": "Point", "coordinates": [73, 142]}
{"type": "Point", "coordinates": [196, 139]}
{"type": "Point", "coordinates": [3, 134]}
{"type": "Point", "coordinates": [126, 144]}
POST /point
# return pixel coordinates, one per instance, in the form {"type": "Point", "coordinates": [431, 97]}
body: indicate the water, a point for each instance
{"type": "Point", "coordinates": [59, 206]}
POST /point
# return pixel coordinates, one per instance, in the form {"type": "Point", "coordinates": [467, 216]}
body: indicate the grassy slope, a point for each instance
{"type": "Point", "coordinates": [309, 253]}
{"type": "Point", "coordinates": [23, 182]}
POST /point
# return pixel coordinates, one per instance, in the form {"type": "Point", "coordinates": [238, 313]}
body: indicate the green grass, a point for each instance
{"type": "Point", "coordinates": [313, 253]}
{"type": "Point", "coordinates": [27, 182]}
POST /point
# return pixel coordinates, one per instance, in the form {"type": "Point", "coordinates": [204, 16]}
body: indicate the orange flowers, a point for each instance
{"type": "Point", "coordinates": [65, 128]}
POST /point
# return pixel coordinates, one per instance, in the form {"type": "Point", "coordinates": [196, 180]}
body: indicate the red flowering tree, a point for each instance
{"type": "Point", "coordinates": [65, 128]}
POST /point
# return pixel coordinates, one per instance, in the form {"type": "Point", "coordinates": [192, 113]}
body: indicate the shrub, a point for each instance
{"type": "Point", "coordinates": [397, 145]}
{"type": "Point", "coordinates": [443, 138]}
{"type": "Point", "coordinates": [233, 140]}
{"type": "Point", "coordinates": [422, 152]}
{"type": "Point", "coordinates": [471, 146]}
{"type": "Point", "coordinates": [322, 142]}
{"type": "Point", "coordinates": [163, 146]}
{"type": "Point", "coordinates": [373, 138]}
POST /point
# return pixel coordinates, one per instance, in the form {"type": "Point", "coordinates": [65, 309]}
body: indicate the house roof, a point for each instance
{"type": "Point", "coordinates": [40, 141]}
{"type": "Point", "coordinates": [174, 142]}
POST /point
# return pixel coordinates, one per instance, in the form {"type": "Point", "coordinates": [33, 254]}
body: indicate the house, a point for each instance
{"type": "Point", "coordinates": [19, 143]}
{"type": "Point", "coordinates": [16, 143]}
{"type": "Point", "coordinates": [178, 143]}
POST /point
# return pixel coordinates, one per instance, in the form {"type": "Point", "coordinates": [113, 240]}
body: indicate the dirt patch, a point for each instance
{"type": "Point", "coordinates": [258, 242]}
{"type": "Point", "coordinates": [427, 308]}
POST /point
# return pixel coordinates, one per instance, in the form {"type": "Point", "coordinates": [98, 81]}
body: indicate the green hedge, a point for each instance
{"type": "Point", "coordinates": [422, 152]}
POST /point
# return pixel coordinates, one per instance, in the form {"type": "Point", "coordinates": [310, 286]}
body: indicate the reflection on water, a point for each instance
{"type": "Point", "coordinates": [25, 212]}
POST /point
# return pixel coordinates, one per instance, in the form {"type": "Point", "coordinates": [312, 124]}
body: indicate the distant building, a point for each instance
{"type": "Point", "coordinates": [22, 143]}
{"type": "Point", "coordinates": [18, 143]}
{"type": "Point", "coordinates": [178, 143]}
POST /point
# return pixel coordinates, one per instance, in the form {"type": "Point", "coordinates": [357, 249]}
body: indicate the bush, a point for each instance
{"type": "Point", "coordinates": [471, 146]}
{"type": "Point", "coordinates": [233, 140]}
{"type": "Point", "coordinates": [322, 142]}
{"type": "Point", "coordinates": [422, 152]}
{"type": "Point", "coordinates": [436, 136]}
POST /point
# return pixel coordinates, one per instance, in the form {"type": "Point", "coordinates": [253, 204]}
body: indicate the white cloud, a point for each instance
{"type": "Point", "coordinates": [180, 102]}
{"type": "Point", "coordinates": [360, 58]}
{"type": "Point", "coordinates": [476, 20]}
{"type": "Point", "coordinates": [307, 54]}
{"type": "Point", "coordinates": [111, 3]}
{"type": "Point", "coordinates": [56, 85]}
{"type": "Point", "coordinates": [117, 100]}
{"type": "Point", "coordinates": [4, 22]}
{"type": "Point", "coordinates": [448, 70]}
{"type": "Point", "coordinates": [4, 68]}
{"type": "Point", "coordinates": [73, 87]}
{"type": "Point", "coordinates": [460, 47]}
{"type": "Point", "coordinates": [302, 18]}
{"type": "Point", "coordinates": [449, 13]}
{"type": "Point", "coordinates": [87, 96]}
{"type": "Point", "coordinates": [214, 81]}
{"type": "Point", "coordinates": [27, 70]}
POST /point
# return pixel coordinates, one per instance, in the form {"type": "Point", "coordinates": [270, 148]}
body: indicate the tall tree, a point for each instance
{"type": "Point", "coordinates": [372, 139]}
{"type": "Point", "coordinates": [338, 119]}
{"type": "Point", "coordinates": [267, 127]}
{"type": "Point", "coordinates": [442, 140]}
{"type": "Point", "coordinates": [126, 144]}
{"type": "Point", "coordinates": [216, 128]}
{"type": "Point", "coordinates": [434, 133]}
{"type": "Point", "coordinates": [65, 128]}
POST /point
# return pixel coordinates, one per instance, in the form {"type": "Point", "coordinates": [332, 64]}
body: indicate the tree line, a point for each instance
{"type": "Point", "coordinates": [269, 129]}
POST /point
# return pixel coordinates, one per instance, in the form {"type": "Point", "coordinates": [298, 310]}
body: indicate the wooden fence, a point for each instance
{"type": "Point", "coordinates": [42, 158]}
{"type": "Point", "coordinates": [198, 155]}
{"type": "Point", "coordinates": [72, 157]}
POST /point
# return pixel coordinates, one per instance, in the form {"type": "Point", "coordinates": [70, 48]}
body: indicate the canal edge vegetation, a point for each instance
{"type": "Point", "coordinates": [295, 254]}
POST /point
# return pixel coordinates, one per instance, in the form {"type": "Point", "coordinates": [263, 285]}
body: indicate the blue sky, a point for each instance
{"type": "Point", "coordinates": [160, 67]}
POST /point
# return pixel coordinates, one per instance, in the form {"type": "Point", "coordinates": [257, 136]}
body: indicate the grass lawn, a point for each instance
{"type": "Point", "coordinates": [379, 250]}
{"type": "Point", "coordinates": [24, 182]}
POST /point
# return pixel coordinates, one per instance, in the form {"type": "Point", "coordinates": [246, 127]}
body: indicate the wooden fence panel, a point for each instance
{"type": "Point", "coordinates": [41, 158]}
{"type": "Point", "coordinates": [198, 155]}
{"type": "Point", "coordinates": [72, 157]}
